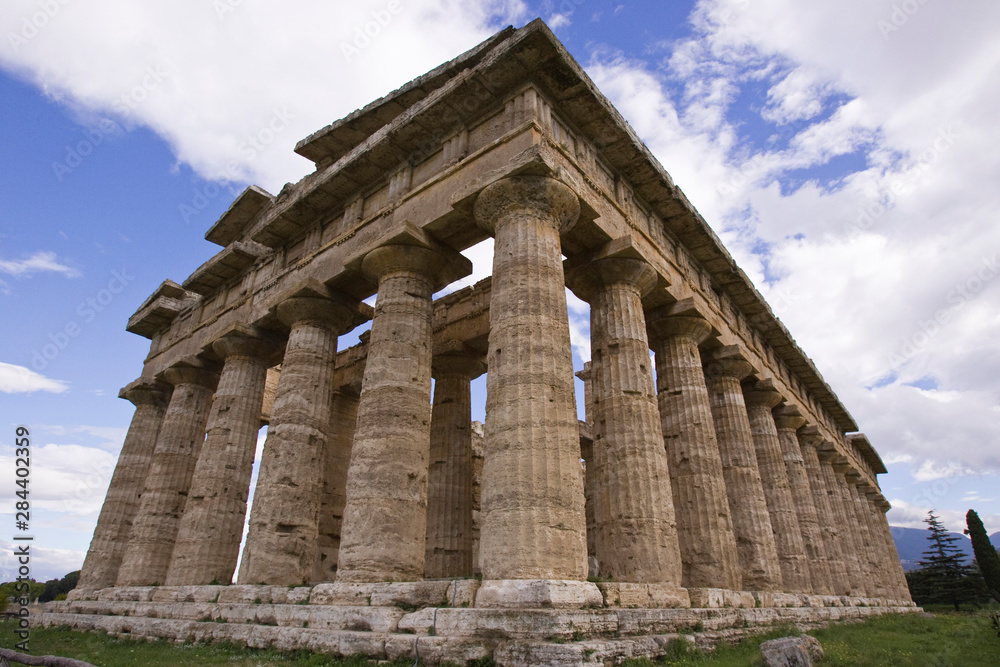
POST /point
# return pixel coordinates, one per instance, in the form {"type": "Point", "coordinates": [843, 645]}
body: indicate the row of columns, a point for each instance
{"type": "Point", "coordinates": [696, 480]}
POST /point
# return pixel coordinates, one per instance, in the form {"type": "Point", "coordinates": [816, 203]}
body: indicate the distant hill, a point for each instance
{"type": "Point", "coordinates": [912, 542]}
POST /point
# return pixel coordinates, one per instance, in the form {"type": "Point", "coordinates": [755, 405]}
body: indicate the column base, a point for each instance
{"type": "Point", "coordinates": [538, 594]}
{"type": "Point", "coordinates": [714, 598]}
{"type": "Point", "coordinates": [627, 595]}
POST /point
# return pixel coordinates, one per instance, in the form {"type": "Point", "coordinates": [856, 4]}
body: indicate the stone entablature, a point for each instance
{"type": "Point", "coordinates": [732, 480]}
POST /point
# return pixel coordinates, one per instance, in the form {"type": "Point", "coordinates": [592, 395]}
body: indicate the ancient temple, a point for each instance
{"type": "Point", "coordinates": [718, 483]}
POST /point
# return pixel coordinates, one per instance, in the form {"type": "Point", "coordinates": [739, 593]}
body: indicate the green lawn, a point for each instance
{"type": "Point", "coordinates": [965, 639]}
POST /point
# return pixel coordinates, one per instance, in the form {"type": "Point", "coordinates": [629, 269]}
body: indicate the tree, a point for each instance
{"type": "Point", "coordinates": [986, 556]}
{"type": "Point", "coordinates": [943, 577]}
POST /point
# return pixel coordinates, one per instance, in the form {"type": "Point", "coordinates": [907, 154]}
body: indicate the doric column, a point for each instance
{"type": "Point", "coordinates": [701, 505]}
{"type": "Point", "coordinates": [339, 442]}
{"type": "Point", "coordinates": [100, 569]}
{"type": "Point", "coordinates": [854, 560]}
{"type": "Point", "coordinates": [751, 522]}
{"type": "Point", "coordinates": [589, 476]}
{"type": "Point", "coordinates": [208, 538]}
{"type": "Point", "coordinates": [875, 582]}
{"type": "Point", "coordinates": [533, 520]}
{"type": "Point", "coordinates": [448, 552]}
{"type": "Point", "coordinates": [788, 420]}
{"type": "Point", "coordinates": [760, 398]}
{"type": "Point", "coordinates": [168, 481]}
{"type": "Point", "coordinates": [385, 519]}
{"type": "Point", "coordinates": [900, 589]}
{"type": "Point", "coordinates": [831, 528]}
{"type": "Point", "coordinates": [636, 536]}
{"type": "Point", "coordinates": [283, 535]}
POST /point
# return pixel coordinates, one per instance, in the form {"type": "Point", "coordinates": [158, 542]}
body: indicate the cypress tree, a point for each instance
{"type": "Point", "coordinates": [986, 556]}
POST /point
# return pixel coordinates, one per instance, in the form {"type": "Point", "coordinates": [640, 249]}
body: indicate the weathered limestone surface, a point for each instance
{"type": "Point", "coordinates": [899, 587]}
{"type": "Point", "coordinates": [760, 399]}
{"type": "Point", "coordinates": [636, 536]}
{"type": "Point", "coordinates": [854, 560]}
{"type": "Point", "coordinates": [787, 420]}
{"type": "Point", "coordinates": [751, 522]}
{"type": "Point", "coordinates": [208, 538]}
{"type": "Point", "coordinates": [701, 505]}
{"type": "Point", "coordinates": [385, 518]}
{"type": "Point", "coordinates": [533, 521]}
{"type": "Point", "coordinates": [830, 528]}
{"type": "Point", "coordinates": [449, 479]}
{"type": "Point", "coordinates": [339, 442]}
{"type": "Point", "coordinates": [589, 469]}
{"type": "Point", "coordinates": [284, 520]}
{"type": "Point", "coordinates": [870, 550]}
{"type": "Point", "coordinates": [100, 569]}
{"type": "Point", "coordinates": [178, 445]}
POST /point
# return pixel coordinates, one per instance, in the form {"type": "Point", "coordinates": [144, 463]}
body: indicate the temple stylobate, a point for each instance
{"type": "Point", "coordinates": [717, 482]}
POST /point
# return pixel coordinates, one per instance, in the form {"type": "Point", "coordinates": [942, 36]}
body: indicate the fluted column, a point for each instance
{"type": "Point", "coordinates": [900, 589]}
{"type": "Point", "coordinates": [842, 579]}
{"type": "Point", "coordinates": [787, 420]}
{"type": "Point", "coordinates": [854, 561]}
{"type": "Point", "coordinates": [533, 521]}
{"type": "Point", "coordinates": [449, 479]}
{"type": "Point", "coordinates": [701, 505]}
{"type": "Point", "coordinates": [751, 522]}
{"type": "Point", "coordinates": [875, 582]}
{"type": "Point", "coordinates": [385, 519]}
{"type": "Point", "coordinates": [340, 441]}
{"type": "Point", "coordinates": [100, 569]}
{"type": "Point", "coordinates": [760, 398]}
{"type": "Point", "coordinates": [283, 535]}
{"type": "Point", "coordinates": [636, 535]}
{"type": "Point", "coordinates": [168, 481]}
{"type": "Point", "coordinates": [208, 538]}
{"type": "Point", "coordinates": [589, 470]}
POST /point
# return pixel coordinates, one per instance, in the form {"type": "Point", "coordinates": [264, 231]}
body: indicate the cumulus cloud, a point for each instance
{"type": "Point", "coordinates": [233, 86]}
{"type": "Point", "coordinates": [20, 380]}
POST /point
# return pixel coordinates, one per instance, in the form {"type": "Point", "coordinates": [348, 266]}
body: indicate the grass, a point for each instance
{"type": "Point", "coordinates": [963, 639]}
{"type": "Point", "coordinates": [106, 651]}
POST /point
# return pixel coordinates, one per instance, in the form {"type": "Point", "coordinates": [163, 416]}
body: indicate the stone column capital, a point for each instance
{"type": "Point", "coordinates": [587, 279]}
{"type": "Point", "coordinates": [727, 362]}
{"type": "Point", "coordinates": [827, 453]}
{"type": "Point", "coordinates": [339, 314]}
{"type": "Point", "coordinates": [177, 375]}
{"type": "Point", "coordinates": [660, 324]}
{"type": "Point", "coordinates": [539, 197]}
{"type": "Point", "coordinates": [438, 268]}
{"type": "Point", "coordinates": [809, 436]}
{"type": "Point", "coordinates": [762, 394]}
{"type": "Point", "coordinates": [464, 364]}
{"type": "Point", "coordinates": [587, 372]}
{"type": "Point", "coordinates": [146, 392]}
{"type": "Point", "coordinates": [788, 417]}
{"type": "Point", "coordinates": [242, 344]}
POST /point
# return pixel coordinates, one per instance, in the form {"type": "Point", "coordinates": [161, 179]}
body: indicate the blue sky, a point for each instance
{"type": "Point", "coordinates": [849, 169]}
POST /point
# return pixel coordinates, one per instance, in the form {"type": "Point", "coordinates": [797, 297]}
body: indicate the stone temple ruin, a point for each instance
{"type": "Point", "coordinates": [724, 492]}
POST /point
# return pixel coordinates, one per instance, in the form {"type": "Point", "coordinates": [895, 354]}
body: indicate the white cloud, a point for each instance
{"type": "Point", "coordinates": [233, 91]}
{"type": "Point", "coordinates": [20, 380]}
{"type": "Point", "coordinates": [46, 563]}
{"type": "Point", "coordinates": [37, 263]}
{"type": "Point", "coordinates": [65, 479]}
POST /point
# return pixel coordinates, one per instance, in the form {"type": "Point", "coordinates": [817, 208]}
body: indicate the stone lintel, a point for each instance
{"type": "Point", "coordinates": [538, 594]}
